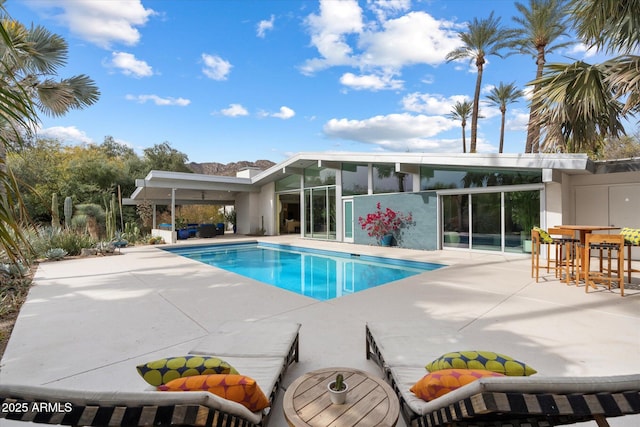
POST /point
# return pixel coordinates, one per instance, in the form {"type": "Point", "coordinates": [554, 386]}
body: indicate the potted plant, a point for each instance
{"type": "Point", "coordinates": [383, 224]}
{"type": "Point", "coordinates": [338, 390]}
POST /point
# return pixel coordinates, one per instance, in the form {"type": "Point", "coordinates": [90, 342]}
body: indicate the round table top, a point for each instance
{"type": "Point", "coordinates": [370, 401]}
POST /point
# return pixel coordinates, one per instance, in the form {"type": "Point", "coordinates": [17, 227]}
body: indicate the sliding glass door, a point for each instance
{"type": "Point", "coordinates": [490, 221]}
{"type": "Point", "coordinates": [320, 213]}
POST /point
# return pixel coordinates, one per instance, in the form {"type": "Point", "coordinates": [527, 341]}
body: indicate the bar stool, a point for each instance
{"type": "Point", "coordinates": [631, 238]}
{"type": "Point", "coordinates": [557, 248]}
{"type": "Point", "coordinates": [606, 245]}
{"type": "Point", "coordinates": [565, 252]}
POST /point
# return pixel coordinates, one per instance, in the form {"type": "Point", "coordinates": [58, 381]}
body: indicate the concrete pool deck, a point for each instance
{"type": "Point", "coordinates": [88, 322]}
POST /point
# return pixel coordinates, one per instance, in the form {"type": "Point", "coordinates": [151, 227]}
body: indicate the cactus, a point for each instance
{"type": "Point", "coordinates": [110, 218]}
{"type": "Point", "coordinates": [339, 384]}
{"type": "Point", "coordinates": [68, 211]}
{"type": "Point", "coordinates": [55, 216]}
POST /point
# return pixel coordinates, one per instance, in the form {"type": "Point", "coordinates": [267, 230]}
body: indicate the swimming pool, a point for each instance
{"type": "Point", "coordinates": [314, 273]}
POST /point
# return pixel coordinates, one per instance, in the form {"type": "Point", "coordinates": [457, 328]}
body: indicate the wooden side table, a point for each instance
{"type": "Point", "coordinates": [370, 401]}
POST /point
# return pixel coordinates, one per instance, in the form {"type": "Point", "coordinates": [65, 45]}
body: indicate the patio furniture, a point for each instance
{"type": "Point", "coordinates": [220, 229]}
{"type": "Point", "coordinates": [631, 239]}
{"type": "Point", "coordinates": [559, 244]}
{"type": "Point", "coordinates": [206, 231]}
{"type": "Point", "coordinates": [611, 248]}
{"type": "Point", "coordinates": [401, 350]}
{"type": "Point", "coordinates": [370, 401]}
{"type": "Point", "coordinates": [260, 350]}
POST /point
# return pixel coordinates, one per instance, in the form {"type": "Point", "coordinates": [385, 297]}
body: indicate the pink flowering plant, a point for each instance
{"type": "Point", "coordinates": [383, 222]}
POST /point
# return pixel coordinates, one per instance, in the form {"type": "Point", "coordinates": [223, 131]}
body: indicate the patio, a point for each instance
{"type": "Point", "coordinates": [89, 322]}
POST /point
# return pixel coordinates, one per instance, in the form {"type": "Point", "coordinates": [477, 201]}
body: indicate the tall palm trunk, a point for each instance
{"type": "Point", "coordinates": [533, 128]}
{"type": "Point", "coordinates": [476, 102]}
{"type": "Point", "coordinates": [503, 110]}
{"type": "Point", "coordinates": [464, 137]}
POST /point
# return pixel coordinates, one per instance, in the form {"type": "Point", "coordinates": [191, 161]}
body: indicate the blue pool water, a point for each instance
{"type": "Point", "coordinates": [315, 273]}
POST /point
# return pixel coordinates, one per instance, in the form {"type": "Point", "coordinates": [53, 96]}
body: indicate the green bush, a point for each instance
{"type": "Point", "coordinates": [72, 241]}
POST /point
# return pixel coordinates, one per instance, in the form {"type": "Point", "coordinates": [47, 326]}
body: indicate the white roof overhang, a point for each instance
{"type": "Point", "coordinates": [191, 188]}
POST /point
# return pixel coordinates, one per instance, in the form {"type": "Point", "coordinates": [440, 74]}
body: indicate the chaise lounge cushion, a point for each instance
{"type": "Point", "coordinates": [237, 388]}
{"type": "Point", "coordinates": [164, 370]}
{"type": "Point", "coordinates": [486, 360]}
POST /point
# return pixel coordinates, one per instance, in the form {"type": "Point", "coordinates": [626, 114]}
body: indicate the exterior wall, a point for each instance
{"type": "Point", "coordinates": [267, 208]}
{"type": "Point", "coordinates": [552, 209]}
{"type": "Point", "coordinates": [596, 187]}
{"type": "Point", "coordinates": [423, 208]}
{"type": "Point", "coordinates": [243, 213]}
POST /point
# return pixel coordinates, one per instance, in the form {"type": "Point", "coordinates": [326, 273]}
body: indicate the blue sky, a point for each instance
{"type": "Point", "coordinates": [230, 80]}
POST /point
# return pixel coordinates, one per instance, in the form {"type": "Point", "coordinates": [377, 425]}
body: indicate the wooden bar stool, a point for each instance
{"type": "Point", "coordinates": [565, 245]}
{"type": "Point", "coordinates": [631, 239]}
{"type": "Point", "coordinates": [607, 246]}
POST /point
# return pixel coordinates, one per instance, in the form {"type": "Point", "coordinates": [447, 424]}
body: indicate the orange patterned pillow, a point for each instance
{"type": "Point", "coordinates": [439, 383]}
{"type": "Point", "coordinates": [237, 388]}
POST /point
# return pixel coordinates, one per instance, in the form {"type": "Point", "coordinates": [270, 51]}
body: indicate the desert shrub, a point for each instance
{"type": "Point", "coordinates": [55, 254]}
{"type": "Point", "coordinates": [72, 241]}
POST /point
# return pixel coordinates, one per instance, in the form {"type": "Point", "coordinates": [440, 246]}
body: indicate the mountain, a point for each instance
{"type": "Point", "coordinates": [230, 169]}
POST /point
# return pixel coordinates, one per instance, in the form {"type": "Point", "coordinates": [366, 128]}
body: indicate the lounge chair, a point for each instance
{"type": "Point", "coordinates": [533, 401]}
{"type": "Point", "coordinates": [260, 350]}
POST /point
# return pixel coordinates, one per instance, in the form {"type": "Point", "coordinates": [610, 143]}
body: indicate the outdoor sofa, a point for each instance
{"type": "Point", "coordinates": [526, 401]}
{"type": "Point", "coordinates": [260, 350]}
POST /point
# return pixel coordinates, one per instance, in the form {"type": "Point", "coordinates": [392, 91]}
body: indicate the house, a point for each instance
{"type": "Point", "coordinates": [457, 201]}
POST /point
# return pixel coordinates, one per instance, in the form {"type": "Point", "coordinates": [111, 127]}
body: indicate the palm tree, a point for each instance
{"type": "Point", "coordinates": [29, 58]}
{"type": "Point", "coordinates": [582, 102]}
{"type": "Point", "coordinates": [501, 96]}
{"type": "Point", "coordinates": [613, 25]}
{"type": "Point", "coordinates": [539, 26]}
{"type": "Point", "coordinates": [580, 109]}
{"type": "Point", "coordinates": [34, 61]}
{"type": "Point", "coordinates": [461, 111]}
{"type": "Point", "coordinates": [483, 38]}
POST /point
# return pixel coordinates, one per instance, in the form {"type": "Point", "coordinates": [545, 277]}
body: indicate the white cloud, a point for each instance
{"type": "Point", "coordinates": [518, 121]}
{"type": "Point", "coordinates": [415, 38]}
{"type": "Point", "coordinates": [370, 82]}
{"type": "Point", "coordinates": [264, 26]}
{"type": "Point", "coordinates": [66, 134]}
{"type": "Point", "coordinates": [384, 8]}
{"type": "Point", "coordinates": [342, 37]}
{"type": "Point", "coordinates": [431, 103]}
{"type": "Point", "coordinates": [130, 66]}
{"type": "Point", "coordinates": [285, 113]}
{"type": "Point", "coordinates": [393, 132]}
{"type": "Point", "coordinates": [215, 67]}
{"type": "Point", "coordinates": [329, 31]}
{"type": "Point", "coordinates": [234, 110]}
{"type": "Point", "coordinates": [142, 99]}
{"type": "Point", "coordinates": [99, 22]}
{"type": "Point", "coordinates": [583, 50]}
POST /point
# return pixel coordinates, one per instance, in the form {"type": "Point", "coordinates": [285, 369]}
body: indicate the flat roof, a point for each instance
{"type": "Point", "coordinates": [191, 188]}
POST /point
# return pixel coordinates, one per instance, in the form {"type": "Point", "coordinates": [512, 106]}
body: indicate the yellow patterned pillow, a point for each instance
{"type": "Point", "coordinates": [486, 360]}
{"type": "Point", "coordinates": [237, 388]}
{"type": "Point", "coordinates": [164, 370]}
{"type": "Point", "coordinates": [544, 236]}
{"type": "Point", "coordinates": [631, 235]}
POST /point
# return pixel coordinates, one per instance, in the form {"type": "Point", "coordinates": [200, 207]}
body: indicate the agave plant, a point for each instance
{"type": "Point", "coordinates": [55, 254]}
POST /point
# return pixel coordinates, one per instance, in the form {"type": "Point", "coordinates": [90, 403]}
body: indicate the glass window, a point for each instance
{"type": "Point", "coordinates": [355, 179]}
{"type": "Point", "coordinates": [486, 228]}
{"type": "Point", "coordinates": [455, 220]}
{"type": "Point", "coordinates": [521, 213]}
{"type": "Point", "coordinates": [435, 179]}
{"type": "Point", "coordinates": [291, 182]}
{"type": "Point", "coordinates": [315, 176]}
{"type": "Point", "coordinates": [387, 180]}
